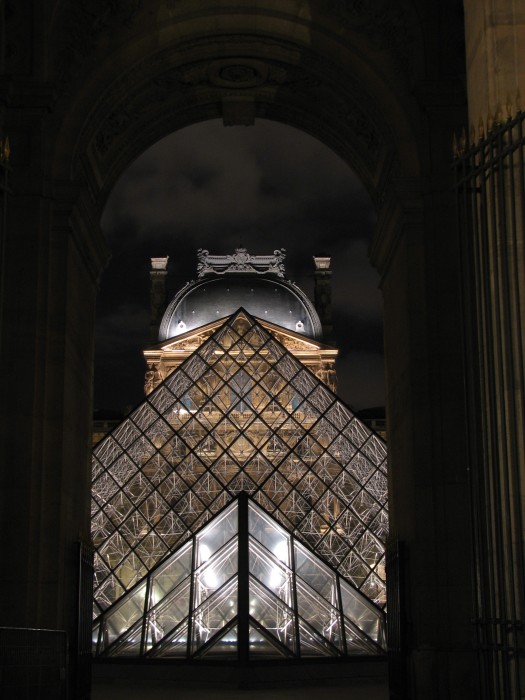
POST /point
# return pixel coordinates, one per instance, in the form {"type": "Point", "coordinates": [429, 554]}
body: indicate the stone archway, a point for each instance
{"type": "Point", "coordinates": [121, 76]}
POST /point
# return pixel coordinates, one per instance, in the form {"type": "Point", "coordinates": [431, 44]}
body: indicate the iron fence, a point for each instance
{"type": "Point", "coordinates": [490, 177]}
{"type": "Point", "coordinates": [396, 626]}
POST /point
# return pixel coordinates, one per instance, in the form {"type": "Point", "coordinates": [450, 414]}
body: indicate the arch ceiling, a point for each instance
{"type": "Point", "coordinates": [335, 70]}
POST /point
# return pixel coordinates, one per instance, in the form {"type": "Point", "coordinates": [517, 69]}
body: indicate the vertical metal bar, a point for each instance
{"type": "Point", "coordinates": [339, 612]}
{"type": "Point", "coordinates": [498, 403]}
{"type": "Point", "coordinates": [294, 595]}
{"type": "Point", "coordinates": [518, 275]}
{"type": "Point", "coordinates": [191, 596]}
{"type": "Point", "coordinates": [482, 263]}
{"type": "Point", "coordinates": [485, 510]}
{"type": "Point", "coordinates": [466, 191]}
{"type": "Point", "coordinates": [508, 408]}
{"type": "Point", "coordinates": [397, 669]}
{"type": "Point", "coordinates": [478, 204]}
{"type": "Point", "coordinates": [4, 186]}
{"type": "Point", "coordinates": [147, 605]}
{"type": "Point", "coordinates": [243, 586]}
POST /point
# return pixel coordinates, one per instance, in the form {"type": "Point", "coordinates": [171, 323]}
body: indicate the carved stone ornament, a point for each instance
{"type": "Point", "coordinates": [241, 261]}
{"type": "Point", "coordinates": [81, 27]}
{"type": "Point", "coordinates": [331, 92]}
{"type": "Point", "coordinates": [237, 73]}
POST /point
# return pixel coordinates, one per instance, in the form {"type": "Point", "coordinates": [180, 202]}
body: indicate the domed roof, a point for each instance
{"type": "Point", "coordinates": [258, 287]}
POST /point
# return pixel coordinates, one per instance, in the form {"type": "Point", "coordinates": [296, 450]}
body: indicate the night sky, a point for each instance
{"type": "Point", "coordinates": [262, 187]}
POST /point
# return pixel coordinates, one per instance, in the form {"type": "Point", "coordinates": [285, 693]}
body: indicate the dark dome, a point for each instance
{"type": "Point", "coordinates": [268, 298]}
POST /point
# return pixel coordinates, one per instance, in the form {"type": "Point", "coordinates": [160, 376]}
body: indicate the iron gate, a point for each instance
{"type": "Point", "coordinates": [490, 178]}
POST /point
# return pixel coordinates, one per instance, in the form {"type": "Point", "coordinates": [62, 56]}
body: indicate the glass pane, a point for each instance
{"type": "Point", "coordinates": [225, 647]}
{"type": "Point", "coordinates": [94, 638]}
{"type": "Point", "coordinates": [125, 615]}
{"type": "Point", "coordinates": [262, 647]}
{"type": "Point", "coordinates": [130, 644]}
{"type": "Point", "coordinates": [272, 614]}
{"type": "Point", "coordinates": [357, 608]}
{"type": "Point", "coordinates": [168, 614]}
{"type": "Point", "coordinates": [315, 574]}
{"type": "Point", "coordinates": [270, 571]}
{"type": "Point", "coordinates": [171, 573]}
{"type": "Point", "coordinates": [217, 533]}
{"type": "Point", "coordinates": [273, 537]}
{"type": "Point", "coordinates": [356, 642]}
{"type": "Point", "coordinates": [312, 644]}
{"type": "Point", "coordinates": [322, 616]}
{"type": "Point", "coordinates": [214, 614]}
{"type": "Point", "coordinates": [215, 572]}
{"type": "Point", "coordinates": [175, 646]}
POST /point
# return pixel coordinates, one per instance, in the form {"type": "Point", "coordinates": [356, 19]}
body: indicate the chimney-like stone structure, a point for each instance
{"type": "Point", "coordinates": [323, 294]}
{"type": "Point", "coordinates": [158, 277]}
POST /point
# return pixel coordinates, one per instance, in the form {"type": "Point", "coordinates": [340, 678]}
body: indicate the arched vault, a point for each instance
{"type": "Point", "coordinates": [334, 70]}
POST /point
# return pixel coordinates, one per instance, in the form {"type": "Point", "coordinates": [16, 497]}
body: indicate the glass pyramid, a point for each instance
{"type": "Point", "coordinates": [241, 587]}
{"type": "Point", "coordinates": [240, 415]}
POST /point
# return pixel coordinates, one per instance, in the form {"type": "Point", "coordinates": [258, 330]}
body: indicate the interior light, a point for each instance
{"type": "Point", "coordinates": [210, 578]}
{"type": "Point", "coordinates": [281, 551]}
{"type": "Point", "coordinates": [204, 553]}
{"type": "Point", "coordinates": [276, 578]}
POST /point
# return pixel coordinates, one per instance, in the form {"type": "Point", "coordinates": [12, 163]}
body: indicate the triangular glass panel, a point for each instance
{"type": "Point", "coordinates": [273, 614]}
{"type": "Point", "coordinates": [213, 614]}
{"type": "Point", "coordinates": [128, 644]}
{"type": "Point", "coordinates": [297, 606]}
{"type": "Point", "coordinates": [175, 646]}
{"type": "Point", "coordinates": [223, 646]}
{"type": "Point", "coordinates": [164, 617]}
{"type": "Point", "coordinates": [264, 646]}
{"type": "Point", "coordinates": [313, 644]}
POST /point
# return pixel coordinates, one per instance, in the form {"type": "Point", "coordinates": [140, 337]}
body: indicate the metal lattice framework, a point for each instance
{"type": "Point", "coordinates": [241, 414]}
{"type": "Point", "coordinates": [241, 587]}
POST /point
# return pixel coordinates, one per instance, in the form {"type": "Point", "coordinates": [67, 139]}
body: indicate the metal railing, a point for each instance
{"type": "Point", "coordinates": [396, 627]}
{"type": "Point", "coordinates": [490, 177]}
{"type": "Point", "coordinates": [5, 151]}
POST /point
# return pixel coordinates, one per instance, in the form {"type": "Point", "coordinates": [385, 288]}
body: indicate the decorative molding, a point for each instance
{"type": "Point", "coordinates": [387, 26]}
{"type": "Point", "coordinates": [298, 80]}
{"type": "Point", "coordinates": [17, 38]}
{"type": "Point", "coordinates": [240, 261]}
{"type": "Point", "coordinates": [163, 90]}
{"type": "Point", "coordinates": [82, 25]}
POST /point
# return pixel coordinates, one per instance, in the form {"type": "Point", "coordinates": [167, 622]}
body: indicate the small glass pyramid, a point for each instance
{"type": "Point", "coordinates": [241, 586]}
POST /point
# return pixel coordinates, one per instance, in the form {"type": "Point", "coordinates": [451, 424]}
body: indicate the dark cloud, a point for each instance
{"type": "Point", "coordinates": [263, 187]}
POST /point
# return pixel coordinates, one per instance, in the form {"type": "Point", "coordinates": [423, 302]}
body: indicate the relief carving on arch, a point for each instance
{"type": "Point", "coordinates": [81, 25]}
{"type": "Point", "coordinates": [388, 26]}
{"type": "Point", "coordinates": [322, 87]}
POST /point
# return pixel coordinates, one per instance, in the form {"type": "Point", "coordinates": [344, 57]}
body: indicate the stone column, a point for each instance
{"type": "Point", "coordinates": [323, 295]}
{"type": "Point", "coordinates": [416, 251]}
{"type": "Point", "coordinates": [158, 275]}
{"type": "Point", "coordinates": [54, 253]}
{"type": "Point", "coordinates": [495, 50]}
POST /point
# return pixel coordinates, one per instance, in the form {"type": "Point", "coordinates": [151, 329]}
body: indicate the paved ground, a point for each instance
{"type": "Point", "coordinates": [128, 691]}
{"type": "Point", "coordinates": [129, 682]}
